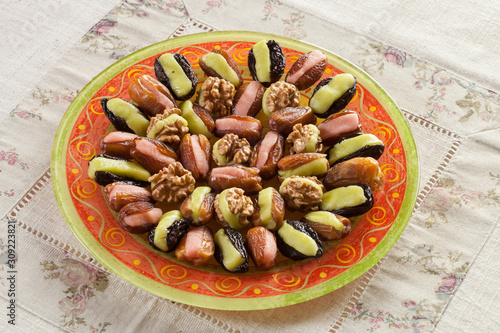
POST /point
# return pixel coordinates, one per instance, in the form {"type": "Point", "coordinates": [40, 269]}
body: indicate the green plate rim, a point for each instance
{"type": "Point", "coordinates": [71, 217]}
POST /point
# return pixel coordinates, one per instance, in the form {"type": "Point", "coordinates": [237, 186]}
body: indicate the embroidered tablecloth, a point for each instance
{"type": "Point", "coordinates": [438, 61]}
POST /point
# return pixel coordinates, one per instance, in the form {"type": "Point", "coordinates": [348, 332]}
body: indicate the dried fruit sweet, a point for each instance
{"type": "Point", "coordinates": [168, 127]}
{"type": "Point", "coordinates": [303, 164]}
{"type": "Point", "coordinates": [269, 209]}
{"type": "Point", "coordinates": [266, 62]}
{"type": "Point", "coordinates": [351, 200]}
{"type": "Point", "coordinates": [117, 144]}
{"type": "Point", "coordinates": [197, 246]}
{"type": "Point", "coordinates": [169, 231]}
{"type": "Point", "coordinates": [139, 217]}
{"type": "Point", "coordinates": [328, 226]}
{"type": "Point", "coordinates": [119, 194]}
{"type": "Point", "coordinates": [216, 96]}
{"type": "Point", "coordinates": [246, 178]}
{"type": "Point", "coordinates": [302, 193]}
{"type": "Point", "coordinates": [279, 96]}
{"type": "Point", "coordinates": [199, 206]}
{"type": "Point", "coordinates": [106, 169]}
{"type": "Point", "coordinates": [266, 154]}
{"type": "Point", "coordinates": [243, 126]}
{"type": "Point", "coordinates": [125, 116]}
{"type": "Point", "coordinates": [233, 208]}
{"type": "Point", "coordinates": [199, 120]}
{"type": "Point", "coordinates": [219, 64]}
{"type": "Point", "coordinates": [333, 94]}
{"type": "Point", "coordinates": [230, 250]}
{"type": "Point", "coordinates": [304, 139]}
{"type": "Point", "coordinates": [152, 154]}
{"type": "Point", "coordinates": [248, 99]}
{"type": "Point", "coordinates": [262, 247]}
{"type": "Point", "coordinates": [363, 145]}
{"type": "Point", "coordinates": [296, 240]}
{"type": "Point", "coordinates": [358, 170]}
{"type": "Point", "coordinates": [307, 69]}
{"type": "Point", "coordinates": [230, 150]}
{"type": "Point", "coordinates": [195, 151]}
{"type": "Point", "coordinates": [176, 73]}
{"type": "Point", "coordinates": [151, 95]}
{"type": "Point", "coordinates": [172, 184]}
{"type": "Point", "coordinates": [340, 125]}
{"type": "Point", "coordinates": [285, 119]}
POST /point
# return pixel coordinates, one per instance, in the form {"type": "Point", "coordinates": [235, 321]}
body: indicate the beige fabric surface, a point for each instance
{"type": "Point", "coordinates": [441, 275]}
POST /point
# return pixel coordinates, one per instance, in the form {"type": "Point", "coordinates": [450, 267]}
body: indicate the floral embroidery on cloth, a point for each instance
{"type": "Point", "coordinates": [83, 282]}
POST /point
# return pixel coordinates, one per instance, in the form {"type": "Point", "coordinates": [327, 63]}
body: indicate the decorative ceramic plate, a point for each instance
{"type": "Point", "coordinates": [130, 257]}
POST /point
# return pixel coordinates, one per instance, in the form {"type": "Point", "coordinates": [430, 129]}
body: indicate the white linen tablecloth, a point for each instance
{"type": "Point", "coordinates": [438, 60]}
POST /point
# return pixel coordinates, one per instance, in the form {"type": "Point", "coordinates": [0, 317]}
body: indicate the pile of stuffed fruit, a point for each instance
{"type": "Point", "coordinates": [232, 179]}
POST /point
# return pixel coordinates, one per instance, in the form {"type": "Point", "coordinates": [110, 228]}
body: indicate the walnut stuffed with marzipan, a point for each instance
{"type": "Point", "coordinates": [234, 148]}
{"type": "Point", "coordinates": [238, 204]}
{"type": "Point", "coordinates": [302, 195]}
{"type": "Point", "coordinates": [173, 183]}
{"type": "Point", "coordinates": [174, 128]}
{"type": "Point", "coordinates": [281, 95]}
{"type": "Point", "coordinates": [216, 96]}
{"type": "Point", "coordinates": [304, 139]}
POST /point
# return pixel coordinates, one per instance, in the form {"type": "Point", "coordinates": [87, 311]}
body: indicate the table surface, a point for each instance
{"type": "Point", "coordinates": [439, 61]}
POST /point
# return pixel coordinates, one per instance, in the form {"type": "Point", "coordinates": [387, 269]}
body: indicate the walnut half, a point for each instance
{"type": "Point", "coordinates": [216, 96]}
{"type": "Point", "coordinates": [231, 149]}
{"type": "Point", "coordinates": [302, 193]}
{"type": "Point", "coordinates": [237, 203]}
{"type": "Point", "coordinates": [304, 139]}
{"type": "Point", "coordinates": [279, 96]}
{"type": "Point", "coordinates": [168, 127]}
{"type": "Point", "coordinates": [172, 183]}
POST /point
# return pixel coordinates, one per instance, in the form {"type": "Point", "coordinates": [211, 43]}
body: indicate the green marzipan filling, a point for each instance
{"type": "Point", "coordinates": [179, 82]}
{"type": "Point", "coordinates": [330, 92]}
{"type": "Point", "coordinates": [118, 167]}
{"type": "Point", "coordinates": [265, 201]}
{"type": "Point", "coordinates": [197, 197]}
{"type": "Point", "coordinates": [326, 218]}
{"type": "Point", "coordinates": [262, 61]}
{"type": "Point", "coordinates": [352, 145]}
{"type": "Point", "coordinates": [313, 140]}
{"type": "Point", "coordinates": [342, 197]}
{"type": "Point", "coordinates": [219, 64]}
{"type": "Point", "coordinates": [231, 258]}
{"type": "Point", "coordinates": [195, 124]}
{"type": "Point", "coordinates": [232, 219]}
{"type": "Point", "coordinates": [166, 220]}
{"type": "Point", "coordinates": [134, 119]}
{"type": "Point", "coordinates": [316, 167]}
{"type": "Point", "coordinates": [300, 241]}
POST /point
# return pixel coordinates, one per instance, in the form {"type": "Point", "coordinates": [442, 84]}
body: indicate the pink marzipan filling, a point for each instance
{"type": "Point", "coordinates": [119, 137]}
{"type": "Point", "coordinates": [150, 217]}
{"type": "Point", "coordinates": [265, 148]}
{"type": "Point", "coordinates": [199, 155]}
{"type": "Point", "coordinates": [314, 58]}
{"type": "Point", "coordinates": [149, 149]}
{"type": "Point", "coordinates": [246, 100]}
{"type": "Point", "coordinates": [337, 126]}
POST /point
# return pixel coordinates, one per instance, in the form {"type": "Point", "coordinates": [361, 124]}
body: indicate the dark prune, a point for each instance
{"type": "Point", "coordinates": [176, 73]}
{"type": "Point", "coordinates": [266, 62]}
{"type": "Point", "coordinates": [230, 250]}
{"type": "Point", "coordinates": [332, 94]}
{"type": "Point", "coordinates": [296, 240]}
{"type": "Point", "coordinates": [348, 201]}
{"type": "Point", "coordinates": [169, 231]}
